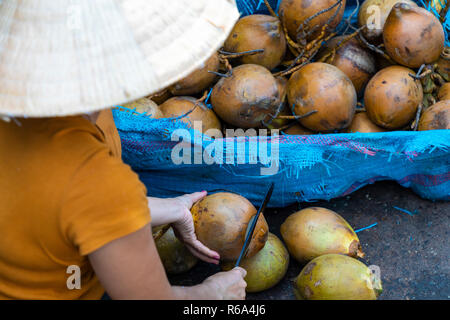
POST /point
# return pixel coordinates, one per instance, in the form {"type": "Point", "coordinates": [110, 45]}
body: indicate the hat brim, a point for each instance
{"type": "Point", "coordinates": [60, 58]}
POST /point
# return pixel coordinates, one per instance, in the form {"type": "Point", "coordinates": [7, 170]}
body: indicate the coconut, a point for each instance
{"type": "Point", "coordinates": [443, 65]}
{"type": "Point", "coordinates": [323, 88]}
{"type": "Point", "coordinates": [247, 97]}
{"type": "Point", "coordinates": [413, 36]}
{"type": "Point", "coordinates": [444, 92]}
{"type": "Point", "coordinates": [298, 130]}
{"type": "Point", "coordinates": [145, 106]}
{"type": "Point", "coordinates": [392, 97]}
{"type": "Point", "coordinates": [374, 13]}
{"type": "Point", "coordinates": [295, 12]}
{"type": "Point", "coordinates": [178, 106]}
{"type": "Point", "coordinates": [361, 123]}
{"type": "Point", "coordinates": [315, 231]}
{"type": "Point", "coordinates": [353, 59]}
{"type": "Point", "coordinates": [337, 277]}
{"type": "Point", "coordinates": [161, 96]}
{"type": "Point", "coordinates": [436, 117]}
{"type": "Point", "coordinates": [256, 32]}
{"type": "Point", "coordinates": [174, 255]}
{"type": "Point", "coordinates": [199, 80]}
{"type": "Point", "coordinates": [266, 268]}
{"type": "Point", "coordinates": [221, 222]}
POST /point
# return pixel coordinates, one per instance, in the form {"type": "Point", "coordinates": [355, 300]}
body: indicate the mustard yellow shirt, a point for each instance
{"type": "Point", "coordinates": [64, 193]}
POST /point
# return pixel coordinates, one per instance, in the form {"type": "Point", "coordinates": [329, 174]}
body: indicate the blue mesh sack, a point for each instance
{"type": "Point", "coordinates": [304, 168]}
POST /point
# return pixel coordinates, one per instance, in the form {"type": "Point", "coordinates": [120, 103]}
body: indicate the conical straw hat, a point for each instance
{"type": "Point", "coordinates": [66, 57]}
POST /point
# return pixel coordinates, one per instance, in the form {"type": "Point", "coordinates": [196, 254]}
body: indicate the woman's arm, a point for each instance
{"type": "Point", "coordinates": [130, 268]}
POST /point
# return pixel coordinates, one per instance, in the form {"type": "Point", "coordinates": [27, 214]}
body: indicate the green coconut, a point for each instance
{"type": "Point", "coordinates": [266, 268]}
{"type": "Point", "coordinates": [174, 255]}
{"type": "Point", "coordinates": [337, 277]}
{"type": "Point", "coordinates": [312, 232]}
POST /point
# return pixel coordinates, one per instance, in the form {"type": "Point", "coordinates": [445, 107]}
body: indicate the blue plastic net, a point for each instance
{"type": "Point", "coordinates": [304, 168]}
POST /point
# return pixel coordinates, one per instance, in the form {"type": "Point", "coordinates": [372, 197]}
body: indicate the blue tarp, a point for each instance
{"type": "Point", "coordinates": [304, 168]}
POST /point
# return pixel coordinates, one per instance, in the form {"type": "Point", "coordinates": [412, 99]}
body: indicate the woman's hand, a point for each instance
{"type": "Point", "coordinates": [184, 227]}
{"type": "Point", "coordinates": [176, 211]}
{"type": "Point", "coordinates": [228, 285]}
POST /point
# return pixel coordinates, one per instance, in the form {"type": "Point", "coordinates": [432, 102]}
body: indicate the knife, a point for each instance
{"type": "Point", "coordinates": [252, 225]}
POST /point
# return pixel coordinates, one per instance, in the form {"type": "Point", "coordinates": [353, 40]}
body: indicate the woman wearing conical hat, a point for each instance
{"type": "Point", "coordinates": [68, 203]}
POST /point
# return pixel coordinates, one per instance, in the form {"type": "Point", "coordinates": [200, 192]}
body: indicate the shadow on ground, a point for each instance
{"type": "Point", "coordinates": [412, 251]}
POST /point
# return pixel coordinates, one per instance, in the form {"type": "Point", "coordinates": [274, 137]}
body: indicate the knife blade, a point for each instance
{"type": "Point", "coordinates": [252, 225]}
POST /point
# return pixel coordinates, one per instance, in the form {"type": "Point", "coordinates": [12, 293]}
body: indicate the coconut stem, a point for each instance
{"type": "Point", "coordinates": [233, 55]}
{"type": "Point", "coordinates": [199, 102]}
{"type": "Point", "coordinates": [443, 13]}
{"type": "Point", "coordinates": [438, 78]}
{"type": "Point", "coordinates": [415, 124]}
{"type": "Point", "coordinates": [158, 94]}
{"type": "Point", "coordinates": [420, 75]}
{"type": "Point", "coordinates": [375, 49]}
{"type": "Point", "coordinates": [304, 58]}
{"type": "Point", "coordinates": [224, 59]}
{"type": "Point", "coordinates": [289, 125]}
{"type": "Point", "coordinates": [446, 53]}
{"type": "Point", "coordinates": [340, 44]}
{"type": "Point", "coordinates": [304, 25]}
{"type": "Point", "coordinates": [360, 253]}
{"type": "Point", "coordinates": [292, 45]}
{"type": "Point", "coordinates": [297, 117]}
{"type": "Point", "coordinates": [348, 21]}
{"type": "Point", "coordinates": [269, 7]}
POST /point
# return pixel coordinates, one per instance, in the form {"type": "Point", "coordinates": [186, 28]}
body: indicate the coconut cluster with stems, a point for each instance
{"type": "Point", "coordinates": [305, 70]}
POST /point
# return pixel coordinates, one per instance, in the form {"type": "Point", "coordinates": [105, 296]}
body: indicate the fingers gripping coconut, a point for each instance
{"type": "Point", "coordinates": [247, 97]}
{"type": "Point", "coordinates": [221, 222]}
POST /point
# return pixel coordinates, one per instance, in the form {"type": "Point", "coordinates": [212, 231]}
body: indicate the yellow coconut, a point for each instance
{"type": "Point", "coordinates": [444, 92]}
{"type": "Point", "coordinates": [337, 277]}
{"type": "Point", "coordinates": [298, 130]}
{"type": "Point", "coordinates": [146, 106]}
{"type": "Point", "coordinates": [266, 268]}
{"type": "Point", "coordinates": [436, 117]}
{"type": "Point", "coordinates": [312, 232]}
{"type": "Point", "coordinates": [362, 123]}
{"type": "Point", "coordinates": [199, 80]}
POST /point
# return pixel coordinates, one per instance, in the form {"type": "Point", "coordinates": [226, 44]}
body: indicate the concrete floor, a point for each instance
{"type": "Point", "coordinates": [412, 251]}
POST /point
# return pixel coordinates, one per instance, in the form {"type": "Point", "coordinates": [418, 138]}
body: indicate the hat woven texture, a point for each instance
{"type": "Point", "coordinates": [66, 57]}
